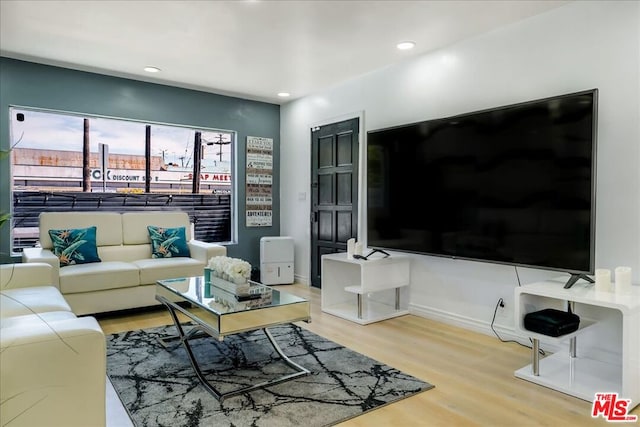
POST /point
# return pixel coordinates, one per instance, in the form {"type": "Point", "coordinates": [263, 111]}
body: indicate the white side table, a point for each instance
{"type": "Point", "coordinates": [585, 369]}
{"type": "Point", "coordinates": [364, 291]}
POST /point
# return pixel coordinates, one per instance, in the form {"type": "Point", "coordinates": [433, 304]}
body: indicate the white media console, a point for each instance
{"type": "Point", "coordinates": [364, 291]}
{"type": "Point", "coordinates": [603, 354]}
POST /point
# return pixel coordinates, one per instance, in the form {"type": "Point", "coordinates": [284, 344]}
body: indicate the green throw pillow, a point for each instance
{"type": "Point", "coordinates": [75, 245]}
{"type": "Point", "coordinates": [168, 242]}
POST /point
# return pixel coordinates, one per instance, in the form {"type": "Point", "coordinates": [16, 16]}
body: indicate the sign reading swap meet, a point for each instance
{"type": "Point", "coordinates": [259, 206]}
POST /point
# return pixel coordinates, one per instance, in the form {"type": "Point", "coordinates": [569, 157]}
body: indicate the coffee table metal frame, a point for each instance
{"type": "Point", "coordinates": [209, 322]}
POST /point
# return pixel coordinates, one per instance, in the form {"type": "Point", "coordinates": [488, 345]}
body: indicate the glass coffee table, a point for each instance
{"type": "Point", "coordinates": [217, 313]}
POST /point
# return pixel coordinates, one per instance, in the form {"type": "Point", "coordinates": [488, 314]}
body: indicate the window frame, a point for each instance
{"type": "Point", "coordinates": [232, 166]}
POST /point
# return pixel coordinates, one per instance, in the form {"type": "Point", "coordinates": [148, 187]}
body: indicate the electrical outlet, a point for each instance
{"type": "Point", "coordinates": [502, 308]}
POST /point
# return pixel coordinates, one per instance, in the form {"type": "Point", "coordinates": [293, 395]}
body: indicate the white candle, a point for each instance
{"type": "Point", "coordinates": [351, 246]}
{"type": "Point", "coordinates": [358, 249]}
{"type": "Point", "coordinates": [623, 280]}
{"type": "Point", "coordinates": [603, 280]}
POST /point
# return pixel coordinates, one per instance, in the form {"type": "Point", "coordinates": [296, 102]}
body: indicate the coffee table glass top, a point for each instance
{"type": "Point", "coordinates": [195, 290]}
{"type": "Point", "coordinates": [223, 313]}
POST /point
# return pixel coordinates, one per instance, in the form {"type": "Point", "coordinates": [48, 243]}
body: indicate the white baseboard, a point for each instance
{"type": "Point", "coordinates": [481, 326]}
{"type": "Point", "coordinates": [304, 280]}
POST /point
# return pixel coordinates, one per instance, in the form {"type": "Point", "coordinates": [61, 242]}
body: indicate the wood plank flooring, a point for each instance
{"type": "Point", "coordinates": [472, 372]}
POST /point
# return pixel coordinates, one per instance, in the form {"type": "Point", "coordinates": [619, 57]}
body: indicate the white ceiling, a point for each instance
{"type": "Point", "coordinates": [250, 49]}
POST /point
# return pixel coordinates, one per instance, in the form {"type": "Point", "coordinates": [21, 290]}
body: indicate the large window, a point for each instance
{"type": "Point", "coordinates": [64, 161]}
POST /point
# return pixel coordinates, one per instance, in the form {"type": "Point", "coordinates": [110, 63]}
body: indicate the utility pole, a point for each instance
{"type": "Point", "coordinates": [220, 142]}
{"type": "Point", "coordinates": [86, 159]}
{"type": "Point", "coordinates": [147, 159]}
{"type": "Point", "coordinates": [197, 161]}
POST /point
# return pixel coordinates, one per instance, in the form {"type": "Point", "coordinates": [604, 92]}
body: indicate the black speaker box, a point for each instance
{"type": "Point", "coordinates": [551, 322]}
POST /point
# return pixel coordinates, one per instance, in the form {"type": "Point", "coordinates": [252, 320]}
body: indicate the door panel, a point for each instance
{"type": "Point", "coordinates": [345, 150]}
{"type": "Point", "coordinates": [345, 230]}
{"type": "Point", "coordinates": [325, 190]}
{"type": "Point", "coordinates": [344, 190]}
{"type": "Point", "coordinates": [334, 190]}
{"type": "Point", "coordinates": [325, 226]}
{"type": "Point", "coordinates": [325, 152]}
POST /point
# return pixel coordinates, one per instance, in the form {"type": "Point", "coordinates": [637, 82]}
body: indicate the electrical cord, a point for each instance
{"type": "Point", "coordinates": [495, 311]}
{"type": "Point", "coordinates": [373, 251]}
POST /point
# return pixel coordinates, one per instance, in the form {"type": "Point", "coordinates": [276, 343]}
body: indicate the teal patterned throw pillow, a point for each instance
{"type": "Point", "coordinates": [75, 245]}
{"type": "Point", "coordinates": [168, 242]}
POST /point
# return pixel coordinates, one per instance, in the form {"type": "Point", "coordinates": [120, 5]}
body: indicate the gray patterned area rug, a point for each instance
{"type": "Point", "coordinates": [160, 388]}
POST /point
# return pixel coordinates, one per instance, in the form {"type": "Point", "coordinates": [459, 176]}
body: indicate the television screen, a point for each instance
{"type": "Point", "coordinates": [514, 185]}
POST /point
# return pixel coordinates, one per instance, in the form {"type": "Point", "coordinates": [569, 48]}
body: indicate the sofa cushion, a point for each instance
{"type": "Point", "coordinates": [126, 253]}
{"type": "Point", "coordinates": [25, 274]}
{"type": "Point", "coordinates": [98, 276]}
{"type": "Point", "coordinates": [168, 242]}
{"type": "Point", "coordinates": [29, 320]}
{"type": "Point", "coordinates": [109, 225]}
{"type": "Point", "coordinates": [36, 299]}
{"type": "Point", "coordinates": [134, 224]}
{"type": "Point", "coordinates": [152, 270]}
{"type": "Point", "coordinates": [75, 245]}
{"type": "Point", "coordinates": [53, 374]}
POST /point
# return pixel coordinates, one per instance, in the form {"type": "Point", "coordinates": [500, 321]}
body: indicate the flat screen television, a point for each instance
{"type": "Point", "coordinates": [512, 185]}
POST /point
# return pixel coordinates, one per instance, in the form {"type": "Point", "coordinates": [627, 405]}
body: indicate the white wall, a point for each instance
{"type": "Point", "coordinates": [583, 45]}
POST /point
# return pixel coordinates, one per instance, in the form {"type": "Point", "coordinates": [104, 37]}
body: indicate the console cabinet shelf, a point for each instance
{"type": "Point", "coordinates": [585, 326]}
{"type": "Point", "coordinates": [364, 291]}
{"type": "Point", "coordinates": [586, 369]}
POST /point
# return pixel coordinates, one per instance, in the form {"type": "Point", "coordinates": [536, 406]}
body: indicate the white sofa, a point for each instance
{"type": "Point", "coordinates": [126, 276]}
{"type": "Point", "coordinates": [52, 363]}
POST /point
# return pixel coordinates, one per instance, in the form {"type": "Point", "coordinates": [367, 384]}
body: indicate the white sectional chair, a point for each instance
{"type": "Point", "coordinates": [52, 363]}
{"type": "Point", "coordinates": [126, 276]}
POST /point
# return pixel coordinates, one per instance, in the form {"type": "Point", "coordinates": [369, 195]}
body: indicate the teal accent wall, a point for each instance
{"type": "Point", "coordinates": [28, 84]}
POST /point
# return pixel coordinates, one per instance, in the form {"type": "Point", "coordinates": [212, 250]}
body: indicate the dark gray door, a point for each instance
{"type": "Point", "coordinates": [334, 190]}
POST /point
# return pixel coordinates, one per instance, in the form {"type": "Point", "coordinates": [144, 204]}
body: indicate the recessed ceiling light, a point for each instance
{"type": "Point", "coordinates": [284, 94]}
{"type": "Point", "coordinates": [152, 69]}
{"type": "Point", "coordinates": [406, 45]}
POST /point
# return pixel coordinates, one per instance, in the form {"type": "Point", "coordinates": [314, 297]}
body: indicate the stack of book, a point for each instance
{"type": "Point", "coordinates": [234, 288]}
{"type": "Point", "coordinates": [225, 302]}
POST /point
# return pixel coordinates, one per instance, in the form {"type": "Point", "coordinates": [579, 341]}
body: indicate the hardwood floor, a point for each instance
{"type": "Point", "coordinates": [472, 372]}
